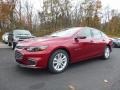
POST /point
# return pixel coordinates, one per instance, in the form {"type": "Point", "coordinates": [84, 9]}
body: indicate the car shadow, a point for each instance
{"type": "Point", "coordinates": [30, 71]}
{"type": "Point", "coordinates": [42, 72]}
{"type": "Point", "coordinates": [85, 62]}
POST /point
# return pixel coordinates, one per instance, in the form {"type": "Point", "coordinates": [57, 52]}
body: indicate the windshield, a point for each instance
{"type": "Point", "coordinates": [65, 32]}
{"type": "Point", "coordinates": [22, 32]}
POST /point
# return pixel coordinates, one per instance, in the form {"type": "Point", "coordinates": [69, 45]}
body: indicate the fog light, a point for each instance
{"type": "Point", "coordinates": [31, 62]}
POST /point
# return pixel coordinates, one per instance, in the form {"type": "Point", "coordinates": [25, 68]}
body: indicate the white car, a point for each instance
{"type": "Point", "coordinates": [18, 35]}
{"type": "Point", "coordinates": [5, 37]}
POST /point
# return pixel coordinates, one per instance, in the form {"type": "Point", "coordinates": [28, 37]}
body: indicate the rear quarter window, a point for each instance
{"type": "Point", "coordinates": [96, 34]}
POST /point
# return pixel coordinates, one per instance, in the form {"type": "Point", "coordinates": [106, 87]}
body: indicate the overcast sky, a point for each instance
{"type": "Point", "coordinates": [114, 4]}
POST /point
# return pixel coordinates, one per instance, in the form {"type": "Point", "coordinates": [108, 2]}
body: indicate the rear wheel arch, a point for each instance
{"type": "Point", "coordinates": [106, 54]}
{"type": "Point", "coordinates": [109, 47]}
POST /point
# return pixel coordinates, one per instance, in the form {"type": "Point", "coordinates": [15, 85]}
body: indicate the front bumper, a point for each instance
{"type": "Point", "coordinates": [28, 66]}
{"type": "Point", "coordinates": [31, 59]}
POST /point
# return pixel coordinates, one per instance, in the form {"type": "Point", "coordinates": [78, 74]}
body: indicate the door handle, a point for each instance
{"type": "Point", "coordinates": [91, 41]}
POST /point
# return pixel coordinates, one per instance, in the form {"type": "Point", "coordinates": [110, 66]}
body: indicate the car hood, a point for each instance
{"type": "Point", "coordinates": [43, 41]}
{"type": "Point", "coordinates": [23, 36]}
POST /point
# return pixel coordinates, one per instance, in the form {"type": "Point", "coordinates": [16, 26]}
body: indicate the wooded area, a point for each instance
{"type": "Point", "coordinates": [58, 14]}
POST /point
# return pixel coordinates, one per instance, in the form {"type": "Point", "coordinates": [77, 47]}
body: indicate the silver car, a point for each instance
{"type": "Point", "coordinates": [18, 35]}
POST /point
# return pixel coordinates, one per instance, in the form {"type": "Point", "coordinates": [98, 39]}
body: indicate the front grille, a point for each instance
{"type": "Point", "coordinates": [18, 55]}
{"type": "Point", "coordinates": [30, 62]}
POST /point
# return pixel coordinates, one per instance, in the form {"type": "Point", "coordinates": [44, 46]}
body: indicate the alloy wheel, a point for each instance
{"type": "Point", "coordinates": [59, 62]}
{"type": "Point", "coordinates": [107, 53]}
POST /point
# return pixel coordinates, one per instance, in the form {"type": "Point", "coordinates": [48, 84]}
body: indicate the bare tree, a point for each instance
{"type": "Point", "coordinates": [29, 15]}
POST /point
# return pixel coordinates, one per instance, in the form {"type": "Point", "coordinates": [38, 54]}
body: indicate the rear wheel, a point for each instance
{"type": "Point", "coordinates": [58, 61]}
{"type": "Point", "coordinates": [106, 54]}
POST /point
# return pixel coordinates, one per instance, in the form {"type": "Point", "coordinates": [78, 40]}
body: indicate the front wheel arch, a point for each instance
{"type": "Point", "coordinates": [49, 61]}
{"type": "Point", "coordinates": [62, 48]}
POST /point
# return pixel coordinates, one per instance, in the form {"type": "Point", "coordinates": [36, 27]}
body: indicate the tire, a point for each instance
{"type": "Point", "coordinates": [55, 65]}
{"type": "Point", "coordinates": [13, 45]}
{"type": "Point", "coordinates": [9, 44]}
{"type": "Point", "coordinates": [6, 42]}
{"type": "Point", "coordinates": [115, 45]}
{"type": "Point", "coordinates": [106, 54]}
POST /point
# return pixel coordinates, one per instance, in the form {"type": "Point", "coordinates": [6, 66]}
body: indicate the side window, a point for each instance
{"type": "Point", "coordinates": [85, 32]}
{"type": "Point", "coordinates": [96, 34]}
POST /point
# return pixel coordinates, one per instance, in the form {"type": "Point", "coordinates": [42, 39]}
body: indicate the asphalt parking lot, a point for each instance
{"type": "Point", "coordinates": [96, 74]}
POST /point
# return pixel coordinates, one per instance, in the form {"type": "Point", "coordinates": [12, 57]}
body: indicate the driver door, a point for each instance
{"type": "Point", "coordinates": [84, 47]}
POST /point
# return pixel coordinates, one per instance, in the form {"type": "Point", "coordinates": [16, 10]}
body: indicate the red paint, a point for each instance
{"type": "Point", "coordinates": [79, 50]}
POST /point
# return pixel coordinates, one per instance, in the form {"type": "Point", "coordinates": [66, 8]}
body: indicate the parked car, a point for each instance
{"type": "Point", "coordinates": [5, 37]}
{"type": "Point", "coordinates": [116, 42]}
{"type": "Point", "coordinates": [18, 35]}
{"type": "Point", "coordinates": [57, 50]}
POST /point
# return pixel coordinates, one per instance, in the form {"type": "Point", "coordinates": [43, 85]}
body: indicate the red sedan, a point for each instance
{"type": "Point", "coordinates": [57, 50]}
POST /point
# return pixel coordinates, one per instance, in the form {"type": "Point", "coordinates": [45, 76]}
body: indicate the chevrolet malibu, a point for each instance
{"type": "Point", "coordinates": [57, 50]}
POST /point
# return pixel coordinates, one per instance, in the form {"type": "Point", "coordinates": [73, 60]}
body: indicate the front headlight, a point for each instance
{"type": "Point", "coordinates": [35, 49]}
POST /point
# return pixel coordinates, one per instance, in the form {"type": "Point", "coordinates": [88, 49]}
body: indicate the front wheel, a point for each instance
{"type": "Point", "coordinates": [58, 61]}
{"type": "Point", "coordinates": [106, 54]}
{"type": "Point", "coordinates": [9, 44]}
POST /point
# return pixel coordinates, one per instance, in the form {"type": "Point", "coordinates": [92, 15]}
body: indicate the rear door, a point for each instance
{"type": "Point", "coordinates": [99, 42]}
